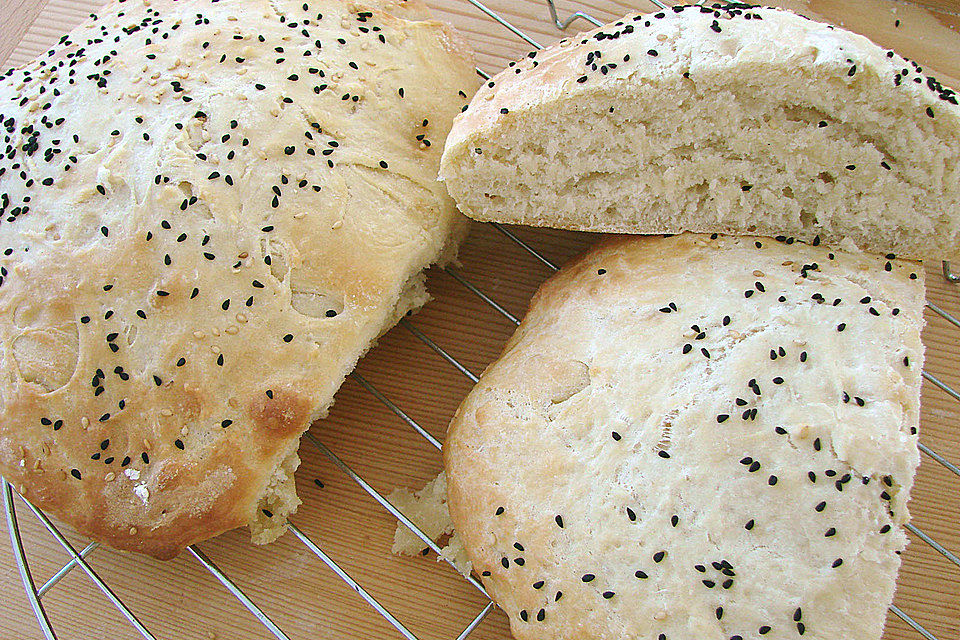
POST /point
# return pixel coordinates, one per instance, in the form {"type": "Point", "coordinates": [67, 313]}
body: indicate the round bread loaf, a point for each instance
{"type": "Point", "coordinates": [697, 438]}
{"type": "Point", "coordinates": [731, 119]}
{"type": "Point", "coordinates": [208, 212]}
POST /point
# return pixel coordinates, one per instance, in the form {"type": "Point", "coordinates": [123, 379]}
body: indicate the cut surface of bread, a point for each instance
{"type": "Point", "coordinates": [208, 212]}
{"type": "Point", "coordinates": [729, 119]}
{"type": "Point", "coordinates": [697, 438]}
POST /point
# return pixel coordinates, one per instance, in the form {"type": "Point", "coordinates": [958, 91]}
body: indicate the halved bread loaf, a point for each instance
{"type": "Point", "coordinates": [208, 212]}
{"type": "Point", "coordinates": [732, 119]}
{"type": "Point", "coordinates": [697, 438]}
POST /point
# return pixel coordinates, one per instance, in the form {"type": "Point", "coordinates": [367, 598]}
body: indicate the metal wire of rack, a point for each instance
{"type": "Point", "coordinates": [35, 594]}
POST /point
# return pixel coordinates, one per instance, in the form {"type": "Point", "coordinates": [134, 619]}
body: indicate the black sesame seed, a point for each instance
{"type": "Point", "coordinates": [658, 556]}
{"type": "Point", "coordinates": [749, 525]}
{"type": "Point", "coordinates": [559, 521]}
{"type": "Point", "coordinates": [837, 563]}
{"type": "Point", "coordinates": [587, 577]}
{"type": "Point", "coordinates": [641, 575]}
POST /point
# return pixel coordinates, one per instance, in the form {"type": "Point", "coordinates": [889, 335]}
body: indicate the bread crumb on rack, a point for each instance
{"type": "Point", "coordinates": [427, 509]}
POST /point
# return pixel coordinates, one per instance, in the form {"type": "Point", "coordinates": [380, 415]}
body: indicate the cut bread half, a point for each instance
{"type": "Point", "coordinates": [733, 119]}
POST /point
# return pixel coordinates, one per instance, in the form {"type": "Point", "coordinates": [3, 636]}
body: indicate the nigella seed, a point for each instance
{"type": "Point", "coordinates": [616, 436]}
{"type": "Point", "coordinates": [837, 563]}
{"type": "Point", "coordinates": [764, 630]}
{"type": "Point", "coordinates": [829, 533]}
{"type": "Point", "coordinates": [722, 417]}
{"type": "Point", "coordinates": [749, 525]}
{"type": "Point", "coordinates": [820, 506]}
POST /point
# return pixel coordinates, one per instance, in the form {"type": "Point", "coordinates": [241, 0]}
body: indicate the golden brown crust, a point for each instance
{"type": "Point", "coordinates": [204, 230]}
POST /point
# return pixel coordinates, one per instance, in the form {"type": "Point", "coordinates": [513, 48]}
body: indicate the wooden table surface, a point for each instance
{"type": "Point", "coordinates": [181, 599]}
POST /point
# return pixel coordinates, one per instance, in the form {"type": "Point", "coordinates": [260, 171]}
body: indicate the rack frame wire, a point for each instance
{"type": "Point", "coordinates": [78, 558]}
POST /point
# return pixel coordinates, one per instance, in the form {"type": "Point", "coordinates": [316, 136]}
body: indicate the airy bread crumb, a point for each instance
{"type": "Point", "coordinates": [427, 508]}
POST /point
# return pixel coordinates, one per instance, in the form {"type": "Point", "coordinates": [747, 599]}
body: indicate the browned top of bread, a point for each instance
{"type": "Point", "coordinates": [209, 212]}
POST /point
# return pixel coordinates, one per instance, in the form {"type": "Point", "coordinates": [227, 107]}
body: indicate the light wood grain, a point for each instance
{"type": "Point", "coordinates": [180, 599]}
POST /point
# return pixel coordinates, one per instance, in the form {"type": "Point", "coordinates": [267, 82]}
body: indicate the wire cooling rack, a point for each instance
{"type": "Point", "coordinates": [81, 558]}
